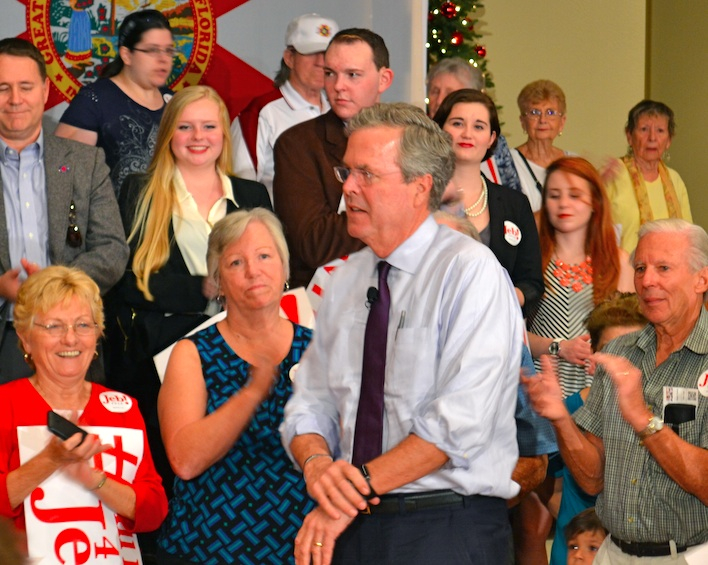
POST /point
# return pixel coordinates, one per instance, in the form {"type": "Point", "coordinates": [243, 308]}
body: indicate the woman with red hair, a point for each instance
{"type": "Point", "coordinates": [582, 266]}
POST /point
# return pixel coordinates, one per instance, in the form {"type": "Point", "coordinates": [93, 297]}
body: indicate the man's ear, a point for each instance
{"type": "Point", "coordinates": [423, 188]}
{"type": "Point", "coordinates": [385, 79]}
{"type": "Point", "coordinates": [702, 281]}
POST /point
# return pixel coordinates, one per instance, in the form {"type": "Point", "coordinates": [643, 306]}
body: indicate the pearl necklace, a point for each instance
{"type": "Point", "coordinates": [483, 196]}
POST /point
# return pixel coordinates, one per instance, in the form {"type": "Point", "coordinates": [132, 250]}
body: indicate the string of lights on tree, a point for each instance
{"type": "Point", "coordinates": [451, 33]}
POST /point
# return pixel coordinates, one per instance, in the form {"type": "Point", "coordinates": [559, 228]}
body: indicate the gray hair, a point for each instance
{"type": "Point", "coordinates": [424, 148]}
{"type": "Point", "coordinates": [457, 223]}
{"type": "Point", "coordinates": [697, 239]}
{"type": "Point", "coordinates": [471, 76]}
{"type": "Point", "coordinates": [231, 227]}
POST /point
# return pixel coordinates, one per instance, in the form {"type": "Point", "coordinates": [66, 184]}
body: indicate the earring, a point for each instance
{"type": "Point", "coordinates": [27, 357]}
{"type": "Point", "coordinates": [666, 156]}
{"type": "Point", "coordinates": [286, 286]}
{"type": "Point", "coordinates": [560, 133]}
{"type": "Point", "coordinates": [95, 354]}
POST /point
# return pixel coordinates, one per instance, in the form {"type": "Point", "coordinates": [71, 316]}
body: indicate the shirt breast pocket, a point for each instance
{"type": "Point", "coordinates": [412, 371]}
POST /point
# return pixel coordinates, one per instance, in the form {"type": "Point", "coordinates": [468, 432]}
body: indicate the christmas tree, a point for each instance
{"type": "Point", "coordinates": [451, 33]}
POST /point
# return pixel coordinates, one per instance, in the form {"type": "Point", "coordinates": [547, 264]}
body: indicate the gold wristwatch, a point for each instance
{"type": "Point", "coordinates": [655, 424]}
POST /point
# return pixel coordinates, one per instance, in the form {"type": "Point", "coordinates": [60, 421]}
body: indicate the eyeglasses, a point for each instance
{"type": "Point", "coordinates": [361, 176]}
{"type": "Point", "coordinates": [535, 114]}
{"type": "Point", "coordinates": [155, 52]}
{"type": "Point", "coordinates": [58, 329]}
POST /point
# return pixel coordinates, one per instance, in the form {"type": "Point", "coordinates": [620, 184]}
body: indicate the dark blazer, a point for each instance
{"type": "Point", "coordinates": [78, 172]}
{"type": "Point", "coordinates": [136, 328]}
{"type": "Point", "coordinates": [174, 288]}
{"type": "Point", "coordinates": [522, 261]}
{"type": "Point", "coordinates": [306, 195]}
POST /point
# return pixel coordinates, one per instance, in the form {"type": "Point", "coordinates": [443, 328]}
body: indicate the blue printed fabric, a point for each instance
{"type": "Point", "coordinates": [505, 165]}
{"type": "Point", "coordinates": [247, 507]}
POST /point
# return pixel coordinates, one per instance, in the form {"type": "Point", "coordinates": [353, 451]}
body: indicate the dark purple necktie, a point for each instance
{"type": "Point", "coordinates": [368, 434]}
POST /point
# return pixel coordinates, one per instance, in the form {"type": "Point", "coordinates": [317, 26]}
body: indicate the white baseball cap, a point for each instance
{"type": "Point", "coordinates": [310, 33]}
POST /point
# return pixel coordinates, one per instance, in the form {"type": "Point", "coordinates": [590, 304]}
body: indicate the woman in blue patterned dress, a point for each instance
{"type": "Point", "coordinates": [237, 497]}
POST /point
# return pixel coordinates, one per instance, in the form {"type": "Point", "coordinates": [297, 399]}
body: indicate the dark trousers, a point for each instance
{"type": "Point", "coordinates": [477, 534]}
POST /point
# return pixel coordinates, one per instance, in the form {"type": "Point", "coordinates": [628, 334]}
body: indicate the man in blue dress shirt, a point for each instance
{"type": "Point", "coordinates": [436, 493]}
{"type": "Point", "coordinates": [57, 206]}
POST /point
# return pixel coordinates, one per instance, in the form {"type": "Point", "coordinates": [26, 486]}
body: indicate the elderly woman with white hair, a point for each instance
{"type": "Point", "coordinates": [221, 405]}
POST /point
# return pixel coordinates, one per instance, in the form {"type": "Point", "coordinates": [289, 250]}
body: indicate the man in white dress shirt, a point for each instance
{"type": "Point", "coordinates": [429, 485]}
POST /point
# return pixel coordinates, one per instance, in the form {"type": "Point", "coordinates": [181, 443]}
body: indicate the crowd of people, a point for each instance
{"type": "Point", "coordinates": [506, 337]}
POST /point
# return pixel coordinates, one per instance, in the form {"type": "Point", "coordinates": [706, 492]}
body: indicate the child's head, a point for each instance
{"type": "Point", "coordinates": [584, 535]}
{"type": "Point", "coordinates": [614, 317]}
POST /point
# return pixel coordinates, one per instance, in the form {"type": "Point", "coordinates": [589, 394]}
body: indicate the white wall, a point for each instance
{"type": "Point", "coordinates": [679, 27]}
{"type": "Point", "coordinates": [594, 50]}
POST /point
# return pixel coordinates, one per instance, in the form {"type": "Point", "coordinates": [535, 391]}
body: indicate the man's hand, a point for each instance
{"type": "Point", "coordinates": [314, 542]}
{"type": "Point", "coordinates": [10, 280]}
{"type": "Point", "coordinates": [29, 267]}
{"type": "Point", "coordinates": [628, 383]}
{"type": "Point", "coordinates": [337, 487]}
{"type": "Point", "coordinates": [576, 350]}
{"type": "Point", "coordinates": [10, 284]}
{"type": "Point", "coordinates": [545, 392]}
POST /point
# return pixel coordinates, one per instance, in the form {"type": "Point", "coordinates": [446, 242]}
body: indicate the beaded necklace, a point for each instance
{"type": "Point", "coordinates": [574, 276]}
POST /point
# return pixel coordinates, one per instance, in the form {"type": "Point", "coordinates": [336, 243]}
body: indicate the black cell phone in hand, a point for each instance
{"type": "Point", "coordinates": [63, 428]}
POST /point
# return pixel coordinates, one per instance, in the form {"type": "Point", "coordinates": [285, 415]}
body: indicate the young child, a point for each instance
{"type": "Point", "coordinates": [585, 534]}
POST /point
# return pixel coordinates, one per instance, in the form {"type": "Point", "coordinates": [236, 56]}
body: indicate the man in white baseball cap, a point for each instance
{"type": "Point", "coordinates": [297, 96]}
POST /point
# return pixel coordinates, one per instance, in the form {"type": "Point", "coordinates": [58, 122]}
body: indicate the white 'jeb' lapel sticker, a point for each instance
{"type": "Point", "coordinates": [512, 233]}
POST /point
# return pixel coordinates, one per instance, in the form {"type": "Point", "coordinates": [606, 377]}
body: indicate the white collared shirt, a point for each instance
{"type": "Point", "coordinates": [191, 230]}
{"type": "Point", "coordinates": [273, 119]}
{"type": "Point", "coordinates": [452, 362]}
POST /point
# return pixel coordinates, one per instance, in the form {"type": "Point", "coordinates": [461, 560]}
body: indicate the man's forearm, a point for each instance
{"type": "Point", "coordinates": [407, 462]}
{"type": "Point", "coordinates": [583, 454]}
{"type": "Point", "coordinates": [306, 445]}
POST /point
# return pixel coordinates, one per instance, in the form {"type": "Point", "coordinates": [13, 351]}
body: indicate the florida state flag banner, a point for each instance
{"type": "Point", "coordinates": [68, 525]}
{"type": "Point", "coordinates": [79, 37]}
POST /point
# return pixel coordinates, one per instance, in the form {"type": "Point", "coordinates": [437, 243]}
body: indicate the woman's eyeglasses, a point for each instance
{"type": "Point", "coordinates": [58, 329]}
{"type": "Point", "coordinates": [155, 52]}
{"type": "Point", "coordinates": [535, 113]}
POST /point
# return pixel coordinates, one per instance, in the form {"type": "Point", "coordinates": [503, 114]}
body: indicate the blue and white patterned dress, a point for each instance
{"type": "Point", "coordinates": [247, 507]}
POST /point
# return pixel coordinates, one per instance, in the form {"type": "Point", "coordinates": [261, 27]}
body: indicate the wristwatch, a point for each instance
{"type": "Point", "coordinates": [372, 493]}
{"type": "Point", "coordinates": [554, 347]}
{"type": "Point", "coordinates": [655, 424]}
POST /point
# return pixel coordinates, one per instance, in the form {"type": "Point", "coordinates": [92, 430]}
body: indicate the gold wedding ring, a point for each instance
{"type": "Point", "coordinates": [318, 544]}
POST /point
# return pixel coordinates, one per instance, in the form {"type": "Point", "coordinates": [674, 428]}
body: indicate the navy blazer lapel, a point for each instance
{"type": "Point", "coordinates": [59, 175]}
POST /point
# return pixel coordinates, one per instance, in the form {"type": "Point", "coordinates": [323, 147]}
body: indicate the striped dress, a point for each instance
{"type": "Point", "coordinates": [562, 313]}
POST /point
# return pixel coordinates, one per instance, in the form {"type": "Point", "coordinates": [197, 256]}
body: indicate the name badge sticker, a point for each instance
{"type": "Point", "coordinates": [512, 233]}
{"type": "Point", "coordinates": [703, 384]}
{"type": "Point", "coordinates": [116, 402]}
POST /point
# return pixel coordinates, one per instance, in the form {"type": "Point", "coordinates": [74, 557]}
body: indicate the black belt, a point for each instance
{"type": "Point", "coordinates": [407, 503]}
{"type": "Point", "coordinates": [645, 549]}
